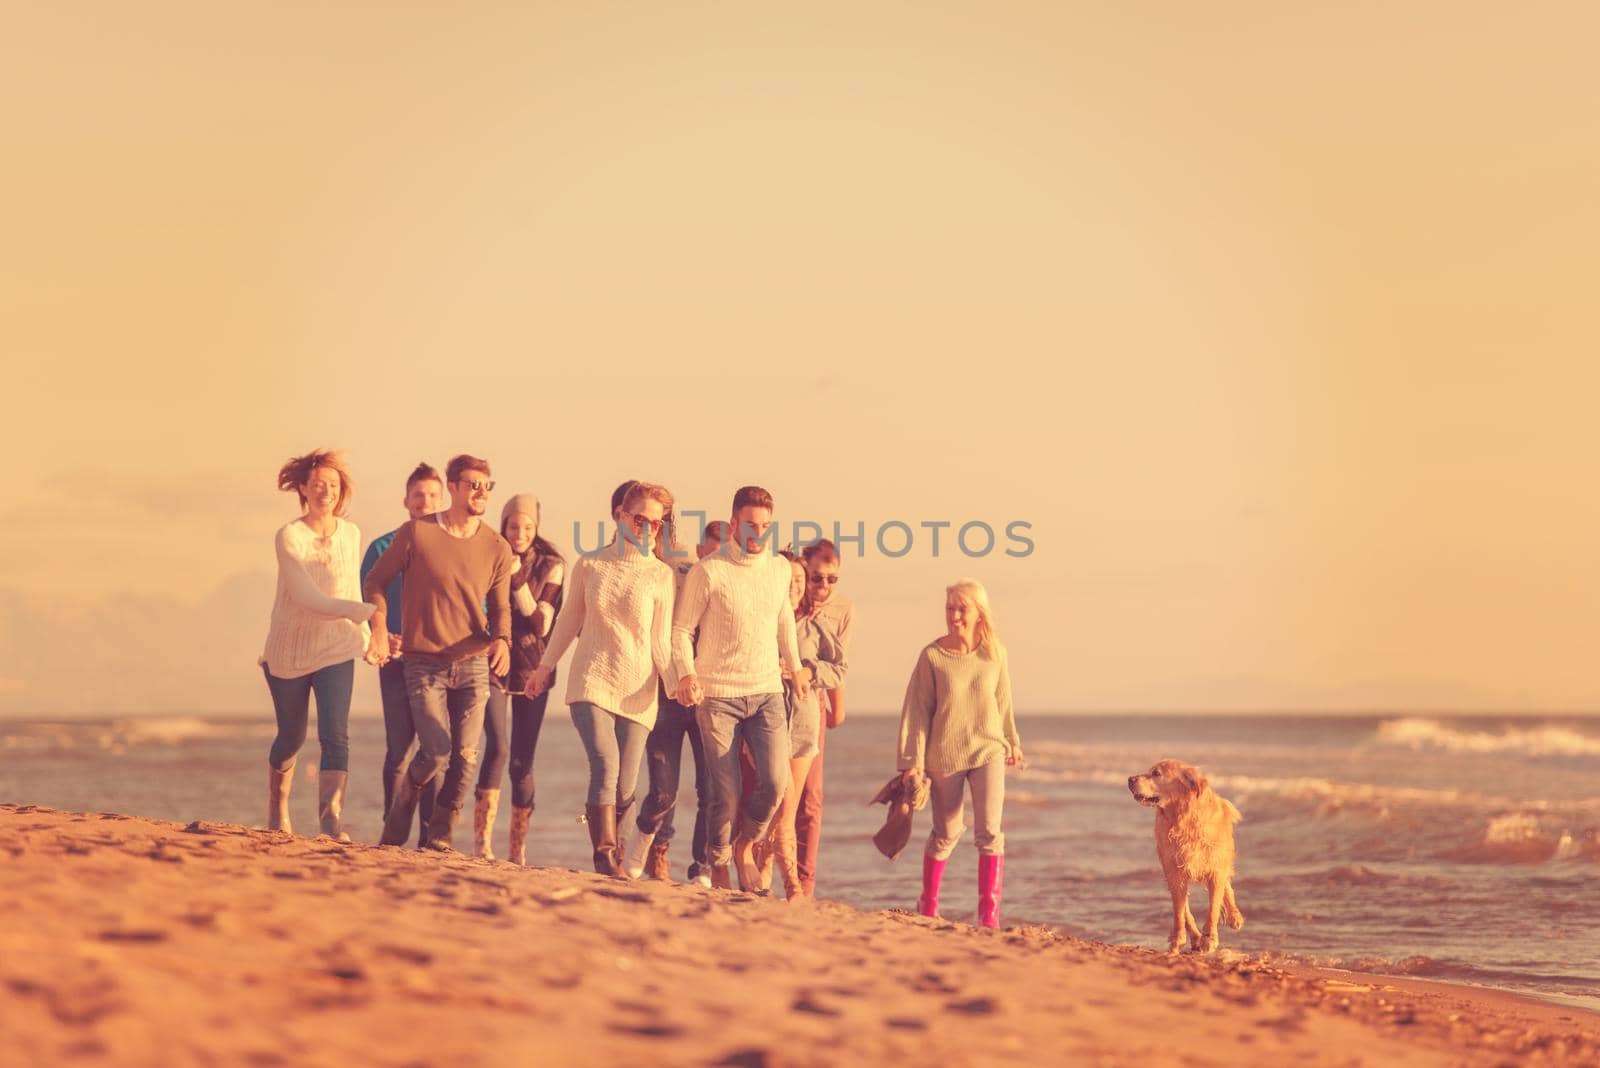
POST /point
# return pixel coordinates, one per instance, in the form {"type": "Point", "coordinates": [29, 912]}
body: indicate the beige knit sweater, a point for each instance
{"type": "Point", "coordinates": [739, 603]}
{"type": "Point", "coordinates": [318, 616]}
{"type": "Point", "coordinates": [957, 713]}
{"type": "Point", "coordinates": [620, 613]}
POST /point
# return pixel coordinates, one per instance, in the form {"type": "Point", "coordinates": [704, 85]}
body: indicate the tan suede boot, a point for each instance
{"type": "Point", "coordinates": [656, 865]}
{"type": "Point", "coordinates": [330, 803]}
{"type": "Point", "coordinates": [278, 784]}
{"type": "Point", "coordinates": [517, 847]}
{"type": "Point", "coordinates": [483, 813]}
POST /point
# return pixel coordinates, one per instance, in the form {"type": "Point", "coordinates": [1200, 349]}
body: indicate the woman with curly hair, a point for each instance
{"type": "Point", "coordinates": [319, 628]}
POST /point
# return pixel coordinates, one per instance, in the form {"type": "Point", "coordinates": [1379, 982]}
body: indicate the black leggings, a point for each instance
{"type": "Point", "coordinates": [527, 717]}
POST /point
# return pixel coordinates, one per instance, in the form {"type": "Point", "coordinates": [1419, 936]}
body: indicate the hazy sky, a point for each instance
{"type": "Point", "coordinates": [1277, 322]}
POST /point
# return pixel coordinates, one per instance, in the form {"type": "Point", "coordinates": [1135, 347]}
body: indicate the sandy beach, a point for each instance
{"type": "Point", "coordinates": [137, 941]}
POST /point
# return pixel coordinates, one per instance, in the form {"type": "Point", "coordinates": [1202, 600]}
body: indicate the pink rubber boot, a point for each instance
{"type": "Point", "coordinates": [932, 873]}
{"type": "Point", "coordinates": [989, 879]}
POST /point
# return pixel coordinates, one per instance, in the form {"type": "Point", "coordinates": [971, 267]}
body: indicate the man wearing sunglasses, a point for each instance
{"type": "Point", "coordinates": [456, 617]}
{"type": "Point", "coordinates": [834, 613]}
{"type": "Point", "coordinates": [738, 601]}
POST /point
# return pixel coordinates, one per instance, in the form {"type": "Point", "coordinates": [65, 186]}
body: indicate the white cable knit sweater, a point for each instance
{"type": "Point", "coordinates": [620, 612]}
{"type": "Point", "coordinates": [738, 603]}
{"type": "Point", "coordinates": [318, 616]}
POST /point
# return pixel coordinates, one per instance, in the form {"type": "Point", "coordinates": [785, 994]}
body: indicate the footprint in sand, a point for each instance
{"type": "Point", "coordinates": [933, 983]}
{"type": "Point", "coordinates": [809, 1004]}
{"type": "Point", "coordinates": [133, 936]}
{"type": "Point", "coordinates": [407, 954]}
{"type": "Point", "coordinates": [973, 1007]}
{"type": "Point", "coordinates": [648, 1030]}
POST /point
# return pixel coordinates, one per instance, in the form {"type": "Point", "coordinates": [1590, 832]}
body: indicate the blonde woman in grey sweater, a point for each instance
{"type": "Point", "coordinates": [958, 726]}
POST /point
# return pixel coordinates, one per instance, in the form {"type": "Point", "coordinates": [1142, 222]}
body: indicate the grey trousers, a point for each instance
{"type": "Point", "coordinates": [759, 721]}
{"type": "Point", "coordinates": [947, 798]}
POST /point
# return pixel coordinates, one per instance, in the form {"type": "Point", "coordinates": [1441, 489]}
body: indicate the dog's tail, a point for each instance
{"type": "Point", "coordinates": [1230, 910]}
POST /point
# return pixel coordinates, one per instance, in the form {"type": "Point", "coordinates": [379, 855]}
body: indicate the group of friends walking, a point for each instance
{"type": "Point", "coordinates": [734, 647]}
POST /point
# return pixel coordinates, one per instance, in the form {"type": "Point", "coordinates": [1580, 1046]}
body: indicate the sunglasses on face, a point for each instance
{"type": "Point", "coordinates": [475, 485]}
{"type": "Point", "coordinates": [639, 522]}
{"type": "Point", "coordinates": [817, 580]}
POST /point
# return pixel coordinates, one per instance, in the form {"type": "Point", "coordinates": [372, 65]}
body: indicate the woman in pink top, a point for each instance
{"type": "Point", "coordinates": [319, 628]}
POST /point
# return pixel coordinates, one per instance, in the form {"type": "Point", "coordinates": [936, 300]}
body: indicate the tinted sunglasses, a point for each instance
{"type": "Point", "coordinates": [639, 522]}
{"type": "Point", "coordinates": [817, 580]}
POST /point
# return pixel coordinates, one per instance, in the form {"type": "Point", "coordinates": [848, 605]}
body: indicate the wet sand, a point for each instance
{"type": "Point", "coordinates": [132, 941]}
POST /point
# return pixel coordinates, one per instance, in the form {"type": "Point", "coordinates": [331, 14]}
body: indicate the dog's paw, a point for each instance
{"type": "Point", "coordinates": [1236, 920]}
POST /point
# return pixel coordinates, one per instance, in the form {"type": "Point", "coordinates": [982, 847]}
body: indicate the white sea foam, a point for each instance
{"type": "Point", "coordinates": [1538, 741]}
{"type": "Point", "coordinates": [176, 730]}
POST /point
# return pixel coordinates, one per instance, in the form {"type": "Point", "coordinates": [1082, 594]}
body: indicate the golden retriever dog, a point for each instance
{"type": "Point", "coordinates": [1194, 839]}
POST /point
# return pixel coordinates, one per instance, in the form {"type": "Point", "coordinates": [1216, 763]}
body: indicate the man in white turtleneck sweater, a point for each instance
{"type": "Point", "coordinates": [738, 601]}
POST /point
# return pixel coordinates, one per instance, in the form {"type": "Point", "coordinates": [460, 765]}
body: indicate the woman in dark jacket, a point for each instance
{"type": "Point", "coordinates": [535, 599]}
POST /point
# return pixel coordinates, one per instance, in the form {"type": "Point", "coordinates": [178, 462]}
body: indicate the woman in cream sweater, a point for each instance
{"type": "Point", "coordinates": [958, 726]}
{"type": "Point", "coordinates": [319, 627]}
{"type": "Point", "coordinates": [619, 611]}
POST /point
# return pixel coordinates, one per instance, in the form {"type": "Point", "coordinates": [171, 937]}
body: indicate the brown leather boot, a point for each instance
{"type": "Point", "coordinates": [279, 783]}
{"type": "Point", "coordinates": [517, 848]}
{"type": "Point", "coordinates": [483, 812]}
{"type": "Point", "coordinates": [602, 820]}
{"type": "Point", "coordinates": [656, 865]}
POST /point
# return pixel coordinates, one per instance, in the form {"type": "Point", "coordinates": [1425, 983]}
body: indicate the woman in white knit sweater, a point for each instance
{"type": "Point", "coordinates": [319, 627]}
{"type": "Point", "coordinates": [619, 610]}
{"type": "Point", "coordinates": [958, 725]}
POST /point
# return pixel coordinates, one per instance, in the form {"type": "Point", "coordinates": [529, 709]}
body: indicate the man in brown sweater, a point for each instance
{"type": "Point", "coordinates": [454, 565]}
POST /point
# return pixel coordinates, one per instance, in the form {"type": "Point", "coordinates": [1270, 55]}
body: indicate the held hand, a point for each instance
{"type": "Point", "coordinates": [689, 693]}
{"type": "Point", "coordinates": [802, 684]}
{"type": "Point", "coordinates": [500, 657]}
{"type": "Point", "coordinates": [539, 681]}
{"type": "Point", "coordinates": [377, 653]}
{"type": "Point", "coordinates": [394, 646]}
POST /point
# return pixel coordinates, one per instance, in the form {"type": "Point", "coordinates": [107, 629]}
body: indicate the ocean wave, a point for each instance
{"type": "Point", "coordinates": [178, 730]}
{"type": "Point", "coordinates": [1343, 875]}
{"type": "Point", "coordinates": [118, 736]}
{"type": "Point", "coordinates": [1331, 795]}
{"type": "Point", "coordinates": [1522, 838]}
{"type": "Point", "coordinates": [1424, 967]}
{"type": "Point", "coordinates": [1538, 741]}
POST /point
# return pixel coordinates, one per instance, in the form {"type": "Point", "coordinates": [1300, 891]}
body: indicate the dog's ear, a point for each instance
{"type": "Point", "coordinates": [1193, 780]}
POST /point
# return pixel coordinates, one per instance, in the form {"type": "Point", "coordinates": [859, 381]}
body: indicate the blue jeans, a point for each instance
{"type": "Point", "coordinates": [759, 721]}
{"type": "Point", "coordinates": [398, 736]}
{"type": "Point", "coordinates": [664, 759]}
{"type": "Point", "coordinates": [615, 746]}
{"type": "Point", "coordinates": [447, 700]}
{"type": "Point", "coordinates": [291, 703]}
